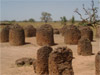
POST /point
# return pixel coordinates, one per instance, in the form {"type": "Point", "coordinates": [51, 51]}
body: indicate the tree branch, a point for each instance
{"type": "Point", "coordinates": [80, 14]}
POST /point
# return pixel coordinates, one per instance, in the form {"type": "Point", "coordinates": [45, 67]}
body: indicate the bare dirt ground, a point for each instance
{"type": "Point", "coordinates": [82, 65]}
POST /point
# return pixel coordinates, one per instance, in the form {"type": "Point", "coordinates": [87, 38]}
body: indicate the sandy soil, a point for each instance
{"type": "Point", "coordinates": [82, 65]}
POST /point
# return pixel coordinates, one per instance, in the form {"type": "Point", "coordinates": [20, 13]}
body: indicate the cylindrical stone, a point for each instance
{"type": "Point", "coordinates": [4, 34]}
{"type": "Point", "coordinates": [16, 36]}
{"type": "Point", "coordinates": [44, 35]}
{"type": "Point", "coordinates": [84, 47]}
{"type": "Point", "coordinates": [86, 32]}
{"type": "Point", "coordinates": [60, 62]}
{"type": "Point", "coordinates": [97, 63]}
{"type": "Point", "coordinates": [72, 35]}
{"type": "Point", "coordinates": [42, 60]}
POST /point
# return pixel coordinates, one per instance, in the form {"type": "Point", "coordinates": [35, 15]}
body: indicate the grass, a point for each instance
{"type": "Point", "coordinates": [38, 24]}
{"type": "Point", "coordinates": [56, 24]}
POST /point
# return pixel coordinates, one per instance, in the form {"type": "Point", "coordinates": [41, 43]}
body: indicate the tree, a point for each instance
{"type": "Point", "coordinates": [46, 17]}
{"type": "Point", "coordinates": [63, 20]}
{"type": "Point", "coordinates": [31, 20]}
{"type": "Point", "coordinates": [92, 15]}
{"type": "Point", "coordinates": [13, 21]}
{"type": "Point", "coordinates": [24, 21]}
{"type": "Point", "coordinates": [73, 20]}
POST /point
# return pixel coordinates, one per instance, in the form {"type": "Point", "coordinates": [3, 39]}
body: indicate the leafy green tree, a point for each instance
{"type": "Point", "coordinates": [92, 18]}
{"type": "Point", "coordinates": [13, 21]}
{"type": "Point", "coordinates": [24, 21]}
{"type": "Point", "coordinates": [63, 20]}
{"type": "Point", "coordinates": [31, 20]}
{"type": "Point", "coordinates": [46, 17]}
{"type": "Point", "coordinates": [73, 20]}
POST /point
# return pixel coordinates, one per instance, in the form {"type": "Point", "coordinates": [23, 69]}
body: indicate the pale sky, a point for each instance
{"type": "Point", "coordinates": [25, 9]}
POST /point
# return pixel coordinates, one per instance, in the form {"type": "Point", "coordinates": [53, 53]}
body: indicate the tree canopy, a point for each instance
{"type": "Point", "coordinates": [46, 17]}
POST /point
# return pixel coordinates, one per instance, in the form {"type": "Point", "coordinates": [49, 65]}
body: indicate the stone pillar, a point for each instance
{"type": "Point", "coordinates": [30, 31]}
{"type": "Point", "coordinates": [42, 60]}
{"type": "Point", "coordinates": [44, 35]}
{"type": "Point", "coordinates": [86, 32]}
{"type": "Point", "coordinates": [72, 35]}
{"type": "Point", "coordinates": [97, 63]}
{"type": "Point", "coordinates": [16, 36]}
{"type": "Point", "coordinates": [84, 47]}
{"type": "Point", "coordinates": [98, 31]}
{"type": "Point", "coordinates": [4, 34]}
{"type": "Point", "coordinates": [60, 62]}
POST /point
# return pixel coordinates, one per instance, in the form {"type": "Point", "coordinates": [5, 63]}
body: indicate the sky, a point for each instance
{"type": "Point", "coordinates": [25, 9]}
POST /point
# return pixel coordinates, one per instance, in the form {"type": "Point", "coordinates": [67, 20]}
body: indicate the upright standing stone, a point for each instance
{"type": "Point", "coordinates": [98, 31]}
{"type": "Point", "coordinates": [63, 29]}
{"type": "Point", "coordinates": [56, 31]}
{"type": "Point", "coordinates": [72, 35]}
{"type": "Point", "coordinates": [86, 32]}
{"type": "Point", "coordinates": [60, 62]}
{"type": "Point", "coordinates": [84, 47]}
{"type": "Point", "coordinates": [16, 36]}
{"type": "Point", "coordinates": [4, 34]}
{"type": "Point", "coordinates": [44, 35]}
{"type": "Point", "coordinates": [30, 31]}
{"type": "Point", "coordinates": [97, 63]}
{"type": "Point", "coordinates": [42, 60]}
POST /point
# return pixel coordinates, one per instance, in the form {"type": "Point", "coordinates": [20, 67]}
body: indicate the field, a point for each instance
{"type": "Point", "coordinates": [49, 37]}
{"type": "Point", "coordinates": [56, 24]}
{"type": "Point", "coordinates": [82, 65]}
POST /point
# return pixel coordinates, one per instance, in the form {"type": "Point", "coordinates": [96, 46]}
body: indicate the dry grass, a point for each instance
{"type": "Point", "coordinates": [38, 24]}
